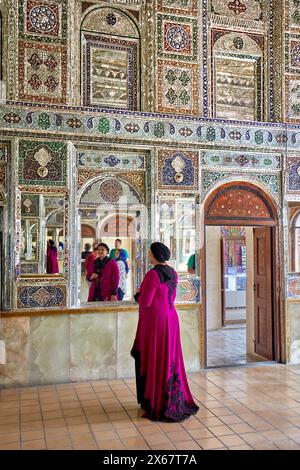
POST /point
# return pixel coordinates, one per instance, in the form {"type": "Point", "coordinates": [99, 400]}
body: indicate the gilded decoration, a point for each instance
{"type": "Point", "coordinates": [42, 163]}
{"type": "Point", "coordinates": [242, 9]}
{"type": "Point", "coordinates": [177, 87]}
{"type": "Point", "coordinates": [177, 169]}
{"type": "Point", "coordinates": [41, 296]}
{"type": "Point", "coordinates": [241, 160]}
{"type": "Point", "coordinates": [292, 98]}
{"type": "Point", "coordinates": [111, 159]}
{"type": "Point", "coordinates": [180, 7]}
{"type": "Point", "coordinates": [30, 205]}
{"type": "Point", "coordinates": [292, 53]}
{"type": "Point", "coordinates": [44, 21]}
{"type": "Point", "coordinates": [3, 175]}
{"type": "Point", "coordinates": [292, 14]}
{"type": "Point", "coordinates": [238, 203]}
{"type": "Point", "coordinates": [177, 37]}
{"type": "Point", "coordinates": [109, 190]}
{"type": "Point", "coordinates": [42, 72]}
{"type": "Point", "coordinates": [110, 71]}
{"type": "Point", "coordinates": [293, 175]}
{"type": "Point", "coordinates": [237, 75]}
{"type": "Point", "coordinates": [136, 180]}
{"type": "Point", "coordinates": [110, 21]}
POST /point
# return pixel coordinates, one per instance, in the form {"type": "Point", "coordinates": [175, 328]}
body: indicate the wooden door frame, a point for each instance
{"type": "Point", "coordinates": [276, 270]}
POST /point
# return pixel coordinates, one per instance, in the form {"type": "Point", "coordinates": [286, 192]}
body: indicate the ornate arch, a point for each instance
{"type": "Point", "coordinates": [115, 188]}
{"type": "Point", "coordinates": [238, 63]}
{"type": "Point", "coordinates": [110, 43]}
{"type": "Point", "coordinates": [239, 203]}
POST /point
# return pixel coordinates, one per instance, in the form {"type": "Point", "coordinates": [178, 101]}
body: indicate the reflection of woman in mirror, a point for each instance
{"type": "Point", "coordinates": [105, 277]}
{"type": "Point", "coordinates": [162, 386]}
{"type": "Point", "coordinates": [52, 263]}
{"type": "Point", "coordinates": [120, 258]}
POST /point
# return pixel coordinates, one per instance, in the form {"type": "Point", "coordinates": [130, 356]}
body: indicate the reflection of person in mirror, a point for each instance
{"type": "Point", "coordinates": [60, 249]}
{"type": "Point", "coordinates": [105, 277]}
{"type": "Point", "coordinates": [161, 382]}
{"type": "Point", "coordinates": [120, 258]}
{"type": "Point", "coordinates": [52, 263]}
{"type": "Point", "coordinates": [191, 264]}
{"type": "Point", "coordinates": [124, 253]}
{"type": "Point", "coordinates": [89, 262]}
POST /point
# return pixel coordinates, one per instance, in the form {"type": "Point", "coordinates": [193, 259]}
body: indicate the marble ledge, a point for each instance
{"type": "Point", "coordinates": [125, 308]}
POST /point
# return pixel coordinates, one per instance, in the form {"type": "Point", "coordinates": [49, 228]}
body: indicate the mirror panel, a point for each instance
{"type": "Point", "coordinates": [42, 234]}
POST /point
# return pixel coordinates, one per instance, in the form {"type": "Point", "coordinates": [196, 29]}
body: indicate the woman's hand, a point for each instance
{"type": "Point", "coordinates": [113, 298]}
{"type": "Point", "coordinates": [94, 276]}
{"type": "Point", "coordinates": [138, 291]}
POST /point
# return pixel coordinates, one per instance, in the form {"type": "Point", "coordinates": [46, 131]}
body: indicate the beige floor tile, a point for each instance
{"type": "Point", "coordinates": [187, 445]}
{"type": "Point", "coordinates": [210, 443]}
{"type": "Point", "coordinates": [105, 435]}
{"type": "Point", "coordinates": [11, 446]}
{"type": "Point", "coordinates": [115, 444]}
{"type": "Point", "coordinates": [37, 444]}
{"type": "Point", "coordinates": [221, 430]}
{"type": "Point", "coordinates": [232, 440]}
{"type": "Point", "coordinates": [32, 435]}
{"type": "Point", "coordinates": [163, 446]}
{"type": "Point", "coordinates": [202, 433]}
{"type": "Point", "coordinates": [178, 436]}
{"type": "Point", "coordinates": [10, 437]}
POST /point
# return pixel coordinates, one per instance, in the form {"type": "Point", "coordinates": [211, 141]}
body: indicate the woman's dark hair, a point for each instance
{"type": "Point", "coordinates": [51, 242]}
{"type": "Point", "coordinates": [87, 246]}
{"type": "Point", "coordinates": [160, 252]}
{"type": "Point", "coordinates": [104, 245]}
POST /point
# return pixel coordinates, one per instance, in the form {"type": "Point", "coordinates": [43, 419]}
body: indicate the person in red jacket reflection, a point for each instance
{"type": "Point", "coordinates": [105, 277]}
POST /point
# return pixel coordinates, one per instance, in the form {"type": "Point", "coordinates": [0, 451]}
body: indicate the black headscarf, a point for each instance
{"type": "Point", "coordinates": [160, 252]}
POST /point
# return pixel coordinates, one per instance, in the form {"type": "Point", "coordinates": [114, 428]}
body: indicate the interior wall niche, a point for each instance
{"type": "Point", "coordinates": [237, 65]}
{"type": "Point", "coordinates": [110, 43]}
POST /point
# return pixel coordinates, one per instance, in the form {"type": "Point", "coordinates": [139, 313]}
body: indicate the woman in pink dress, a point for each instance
{"type": "Point", "coordinates": [105, 277]}
{"type": "Point", "coordinates": [162, 386]}
{"type": "Point", "coordinates": [52, 263]}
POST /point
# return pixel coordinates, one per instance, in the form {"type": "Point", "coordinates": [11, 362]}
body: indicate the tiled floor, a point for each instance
{"type": "Point", "coordinates": [227, 346]}
{"type": "Point", "coordinates": [240, 408]}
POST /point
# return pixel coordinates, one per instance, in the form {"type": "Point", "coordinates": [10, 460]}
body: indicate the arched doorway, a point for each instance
{"type": "Point", "coordinates": [245, 278]}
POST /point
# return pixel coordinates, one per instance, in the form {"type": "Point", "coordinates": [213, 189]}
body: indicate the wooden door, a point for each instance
{"type": "Point", "coordinates": [223, 281]}
{"type": "Point", "coordinates": [263, 304]}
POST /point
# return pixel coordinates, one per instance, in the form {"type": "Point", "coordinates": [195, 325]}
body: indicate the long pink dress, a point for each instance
{"type": "Point", "coordinates": [162, 386]}
{"type": "Point", "coordinates": [52, 263]}
{"type": "Point", "coordinates": [107, 282]}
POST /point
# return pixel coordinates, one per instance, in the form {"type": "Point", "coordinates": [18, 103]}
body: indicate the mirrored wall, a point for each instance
{"type": "Point", "coordinates": [42, 234]}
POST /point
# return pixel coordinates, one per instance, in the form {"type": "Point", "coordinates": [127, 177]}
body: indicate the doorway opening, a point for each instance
{"type": "Point", "coordinates": [240, 277]}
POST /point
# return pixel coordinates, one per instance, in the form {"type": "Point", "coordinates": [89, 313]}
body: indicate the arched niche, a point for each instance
{"type": "Point", "coordinates": [110, 43]}
{"type": "Point", "coordinates": [238, 71]}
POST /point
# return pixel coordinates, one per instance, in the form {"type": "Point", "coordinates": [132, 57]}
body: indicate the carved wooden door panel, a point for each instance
{"type": "Point", "coordinates": [263, 305]}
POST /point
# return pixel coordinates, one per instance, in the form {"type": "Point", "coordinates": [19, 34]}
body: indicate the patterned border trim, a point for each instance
{"type": "Point", "coordinates": [174, 7]}
{"type": "Point", "coordinates": [292, 40]}
{"type": "Point", "coordinates": [154, 128]}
